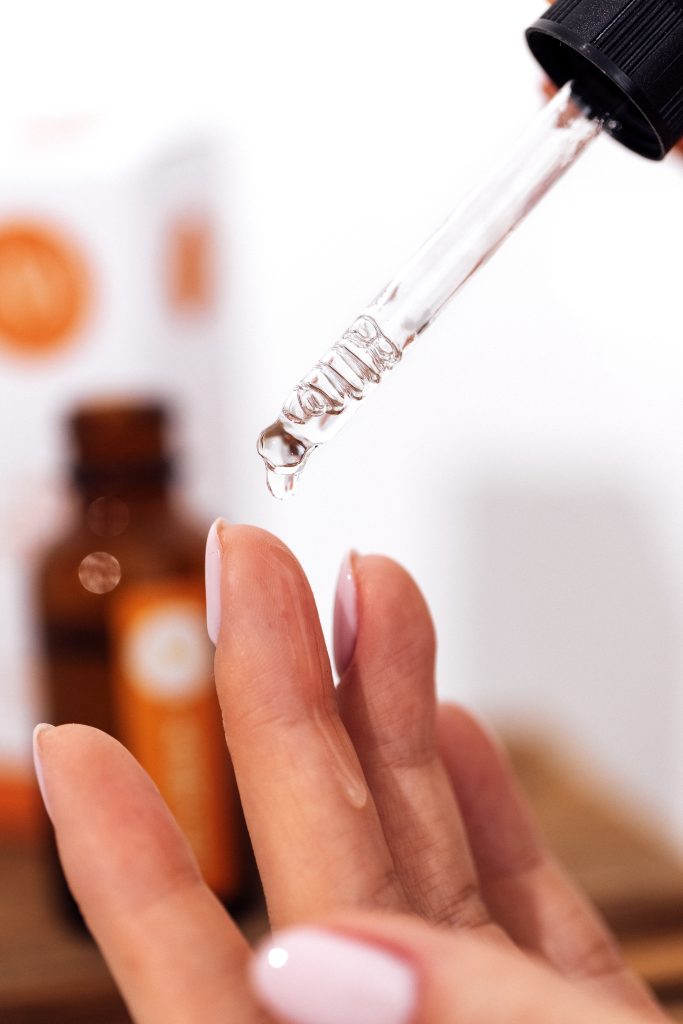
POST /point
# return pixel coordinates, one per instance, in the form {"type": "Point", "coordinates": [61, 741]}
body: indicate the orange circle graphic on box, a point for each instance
{"type": "Point", "coordinates": [43, 289]}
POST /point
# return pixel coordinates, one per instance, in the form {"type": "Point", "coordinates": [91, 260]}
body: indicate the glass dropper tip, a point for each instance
{"type": "Point", "coordinates": [284, 456]}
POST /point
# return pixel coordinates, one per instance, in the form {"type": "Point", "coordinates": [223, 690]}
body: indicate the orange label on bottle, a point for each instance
{"type": "Point", "coordinates": [43, 289]}
{"type": "Point", "coordinates": [190, 251]}
{"type": "Point", "coordinates": [169, 719]}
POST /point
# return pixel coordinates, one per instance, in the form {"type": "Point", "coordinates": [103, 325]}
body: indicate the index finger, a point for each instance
{"type": "Point", "coordinates": [174, 952]}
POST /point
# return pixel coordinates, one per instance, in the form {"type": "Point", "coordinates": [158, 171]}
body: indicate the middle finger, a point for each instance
{"type": "Point", "coordinates": [388, 704]}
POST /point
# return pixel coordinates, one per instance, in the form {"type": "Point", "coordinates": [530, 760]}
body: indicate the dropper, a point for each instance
{"type": "Point", "coordinates": [619, 66]}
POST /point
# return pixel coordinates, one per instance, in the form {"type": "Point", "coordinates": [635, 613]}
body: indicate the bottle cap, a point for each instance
{"type": "Point", "coordinates": [625, 58]}
{"type": "Point", "coordinates": [112, 437]}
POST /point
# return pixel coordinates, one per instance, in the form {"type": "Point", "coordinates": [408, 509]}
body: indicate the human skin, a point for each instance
{"type": "Point", "coordinates": [405, 879]}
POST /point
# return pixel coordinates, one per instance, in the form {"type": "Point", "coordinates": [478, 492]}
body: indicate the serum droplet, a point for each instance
{"type": "Point", "coordinates": [281, 485]}
{"type": "Point", "coordinates": [284, 456]}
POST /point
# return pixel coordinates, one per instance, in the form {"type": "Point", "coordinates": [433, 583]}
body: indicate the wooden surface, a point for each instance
{"type": "Point", "coordinates": [606, 842]}
{"type": "Point", "coordinates": [616, 855]}
{"type": "Point", "coordinates": [49, 973]}
{"type": "Point", "coordinates": [52, 974]}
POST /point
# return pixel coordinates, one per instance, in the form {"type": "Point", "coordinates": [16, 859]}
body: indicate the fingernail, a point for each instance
{"type": "Point", "coordinates": [345, 628]}
{"type": "Point", "coordinates": [37, 733]}
{"type": "Point", "coordinates": [212, 567]}
{"type": "Point", "coordinates": [311, 976]}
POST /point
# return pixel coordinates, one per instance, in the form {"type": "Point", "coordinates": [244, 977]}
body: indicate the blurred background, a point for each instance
{"type": "Point", "coordinates": [195, 201]}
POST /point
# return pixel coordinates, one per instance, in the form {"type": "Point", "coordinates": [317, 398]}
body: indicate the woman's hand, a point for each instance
{"type": "Point", "coordinates": [404, 877]}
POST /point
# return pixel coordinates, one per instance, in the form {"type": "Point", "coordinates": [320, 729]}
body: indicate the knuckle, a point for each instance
{"type": "Point", "coordinates": [599, 958]}
{"type": "Point", "coordinates": [463, 909]}
{"type": "Point", "coordinates": [387, 892]}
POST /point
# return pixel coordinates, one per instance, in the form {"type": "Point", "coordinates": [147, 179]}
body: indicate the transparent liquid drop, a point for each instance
{"type": "Point", "coordinates": [285, 456]}
{"type": "Point", "coordinates": [343, 761]}
{"type": "Point", "coordinates": [281, 485]}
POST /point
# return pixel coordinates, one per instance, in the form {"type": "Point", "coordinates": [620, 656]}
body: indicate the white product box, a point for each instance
{"type": "Point", "coordinates": [109, 285]}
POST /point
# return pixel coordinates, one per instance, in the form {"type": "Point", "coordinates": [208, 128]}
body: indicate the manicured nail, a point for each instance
{"type": "Point", "coordinates": [37, 733]}
{"type": "Point", "coordinates": [311, 976]}
{"type": "Point", "coordinates": [345, 616]}
{"type": "Point", "coordinates": [212, 567]}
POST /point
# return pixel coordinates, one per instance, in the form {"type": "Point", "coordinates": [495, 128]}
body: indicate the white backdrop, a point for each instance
{"type": "Point", "coordinates": [524, 462]}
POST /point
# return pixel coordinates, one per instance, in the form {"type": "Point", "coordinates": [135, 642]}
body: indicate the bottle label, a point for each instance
{"type": "Point", "coordinates": [190, 259]}
{"type": "Point", "coordinates": [43, 288]}
{"type": "Point", "coordinates": [168, 717]}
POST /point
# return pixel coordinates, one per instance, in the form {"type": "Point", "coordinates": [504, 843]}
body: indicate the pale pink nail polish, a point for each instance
{"type": "Point", "coordinates": [37, 761]}
{"type": "Point", "coordinates": [345, 628]}
{"type": "Point", "coordinates": [212, 566]}
{"type": "Point", "coordinates": [312, 976]}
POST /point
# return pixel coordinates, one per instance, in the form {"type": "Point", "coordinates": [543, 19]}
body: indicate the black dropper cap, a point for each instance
{"type": "Point", "coordinates": [625, 58]}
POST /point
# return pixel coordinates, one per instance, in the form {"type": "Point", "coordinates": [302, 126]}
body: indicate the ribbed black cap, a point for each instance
{"type": "Point", "coordinates": [626, 60]}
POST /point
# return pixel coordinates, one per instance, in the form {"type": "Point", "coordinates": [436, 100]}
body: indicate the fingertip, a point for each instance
{"type": "Point", "coordinates": [255, 564]}
{"type": "Point", "coordinates": [387, 697]}
{"type": "Point", "coordinates": [54, 742]}
{"type": "Point", "coordinates": [271, 658]}
{"type": "Point", "coordinates": [239, 538]}
{"type": "Point", "coordinates": [67, 758]}
{"type": "Point", "coordinates": [392, 610]}
{"type": "Point", "coordinates": [238, 558]}
{"type": "Point", "coordinates": [70, 739]}
{"type": "Point", "coordinates": [108, 816]}
{"type": "Point", "coordinates": [466, 741]}
{"type": "Point", "coordinates": [456, 722]}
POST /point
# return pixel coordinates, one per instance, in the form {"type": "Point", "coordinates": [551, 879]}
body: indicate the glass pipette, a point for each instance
{"type": "Point", "coordinates": [331, 392]}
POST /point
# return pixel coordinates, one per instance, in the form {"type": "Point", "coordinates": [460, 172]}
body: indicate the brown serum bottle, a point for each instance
{"type": "Point", "coordinates": [122, 608]}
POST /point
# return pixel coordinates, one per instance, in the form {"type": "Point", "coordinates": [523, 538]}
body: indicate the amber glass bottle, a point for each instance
{"type": "Point", "coordinates": [122, 607]}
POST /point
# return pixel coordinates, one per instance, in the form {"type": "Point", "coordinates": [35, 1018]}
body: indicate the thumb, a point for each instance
{"type": "Point", "coordinates": [381, 969]}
